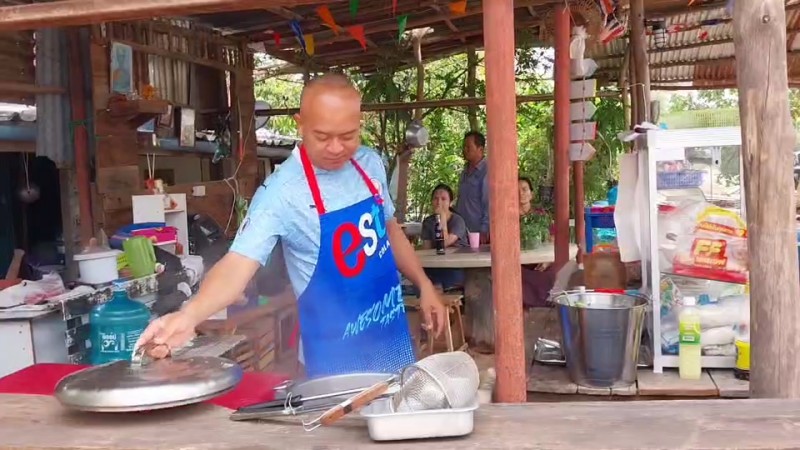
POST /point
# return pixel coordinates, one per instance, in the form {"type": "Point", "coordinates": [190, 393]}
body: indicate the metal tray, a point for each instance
{"type": "Point", "coordinates": [386, 425]}
{"type": "Point", "coordinates": [122, 386]}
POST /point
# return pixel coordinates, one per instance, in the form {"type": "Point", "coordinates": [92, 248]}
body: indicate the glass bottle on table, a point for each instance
{"type": "Point", "coordinates": [438, 235]}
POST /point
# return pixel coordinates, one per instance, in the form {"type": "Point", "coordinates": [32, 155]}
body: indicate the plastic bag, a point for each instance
{"type": "Point", "coordinates": [713, 245]}
{"type": "Point", "coordinates": [32, 292]}
{"type": "Point", "coordinates": [727, 312]}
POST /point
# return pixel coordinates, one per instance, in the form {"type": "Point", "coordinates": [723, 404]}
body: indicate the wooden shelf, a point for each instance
{"type": "Point", "coordinates": [137, 111]}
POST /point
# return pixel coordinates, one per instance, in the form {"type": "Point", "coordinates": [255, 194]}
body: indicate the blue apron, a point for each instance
{"type": "Point", "coordinates": [352, 315]}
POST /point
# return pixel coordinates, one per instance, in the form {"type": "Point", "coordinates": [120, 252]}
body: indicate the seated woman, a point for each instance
{"type": "Point", "coordinates": [537, 279]}
{"type": "Point", "coordinates": [455, 234]}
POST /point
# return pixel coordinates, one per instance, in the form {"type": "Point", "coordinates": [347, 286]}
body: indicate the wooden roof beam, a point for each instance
{"type": "Point", "coordinates": [436, 7]}
{"type": "Point", "coordinates": [427, 104]}
{"type": "Point", "coordinates": [84, 12]}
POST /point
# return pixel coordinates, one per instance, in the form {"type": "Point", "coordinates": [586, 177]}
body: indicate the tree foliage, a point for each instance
{"type": "Point", "coordinates": [440, 161]}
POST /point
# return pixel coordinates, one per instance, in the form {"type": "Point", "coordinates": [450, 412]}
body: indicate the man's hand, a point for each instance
{"type": "Point", "coordinates": [432, 309]}
{"type": "Point", "coordinates": [168, 332]}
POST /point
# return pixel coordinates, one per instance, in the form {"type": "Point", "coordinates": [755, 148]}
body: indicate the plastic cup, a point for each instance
{"type": "Point", "coordinates": [474, 240]}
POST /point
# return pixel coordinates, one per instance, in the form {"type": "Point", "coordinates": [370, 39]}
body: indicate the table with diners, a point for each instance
{"type": "Point", "coordinates": [477, 266]}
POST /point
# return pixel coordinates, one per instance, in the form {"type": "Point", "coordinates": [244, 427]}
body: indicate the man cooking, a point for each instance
{"type": "Point", "coordinates": [329, 208]}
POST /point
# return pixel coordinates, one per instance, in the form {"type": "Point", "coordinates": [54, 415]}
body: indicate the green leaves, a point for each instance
{"type": "Point", "coordinates": [440, 161]}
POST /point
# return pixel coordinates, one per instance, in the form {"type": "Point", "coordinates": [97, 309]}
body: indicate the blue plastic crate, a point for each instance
{"type": "Point", "coordinates": [597, 220]}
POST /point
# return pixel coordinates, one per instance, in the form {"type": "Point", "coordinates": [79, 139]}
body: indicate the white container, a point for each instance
{"type": "Point", "coordinates": [385, 425]}
{"type": "Point", "coordinates": [98, 266]}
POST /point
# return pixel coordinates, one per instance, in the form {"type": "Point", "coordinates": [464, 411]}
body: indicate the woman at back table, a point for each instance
{"type": "Point", "coordinates": [455, 234]}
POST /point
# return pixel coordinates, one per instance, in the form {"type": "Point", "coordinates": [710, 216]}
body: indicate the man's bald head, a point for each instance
{"type": "Point", "coordinates": [330, 82]}
{"type": "Point", "coordinates": [329, 120]}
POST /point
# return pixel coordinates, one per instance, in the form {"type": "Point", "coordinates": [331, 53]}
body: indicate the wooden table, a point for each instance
{"type": "Point", "coordinates": [477, 265]}
{"type": "Point", "coordinates": [39, 423]}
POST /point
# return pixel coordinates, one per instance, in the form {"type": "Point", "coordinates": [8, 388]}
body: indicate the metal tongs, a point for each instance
{"type": "Point", "coordinates": [292, 405]}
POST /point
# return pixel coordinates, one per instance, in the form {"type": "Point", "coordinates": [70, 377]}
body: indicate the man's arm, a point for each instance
{"type": "Point", "coordinates": [222, 285]}
{"type": "Point", "coordinates": [254, 243]}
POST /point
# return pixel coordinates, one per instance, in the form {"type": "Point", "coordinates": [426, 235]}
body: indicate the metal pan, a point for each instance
{"type": "Point", "coordinates": [300, 397]}
{"type": "Point", "coordinates": [124, 386]}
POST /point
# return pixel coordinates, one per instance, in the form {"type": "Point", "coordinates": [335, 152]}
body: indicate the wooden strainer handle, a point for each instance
{"type": "Point", "coordinates": [354, 403]}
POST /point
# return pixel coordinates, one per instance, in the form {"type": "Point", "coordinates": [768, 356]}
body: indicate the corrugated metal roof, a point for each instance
{"type": "Point", "coordinates": [699, 49]}
{"type": "Point", "coordinates": [53, 131]}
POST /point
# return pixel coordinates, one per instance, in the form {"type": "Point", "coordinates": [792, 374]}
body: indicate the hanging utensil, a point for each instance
{"type": "Point", "coordinates": [416, 134]}
{"type": "Point", "coordinates": [31, 192]}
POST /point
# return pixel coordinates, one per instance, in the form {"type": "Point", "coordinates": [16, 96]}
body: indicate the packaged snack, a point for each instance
{"type": "Point", "coordinates": [715, 246]}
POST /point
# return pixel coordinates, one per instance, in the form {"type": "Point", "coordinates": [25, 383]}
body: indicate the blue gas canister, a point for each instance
{"type": "Point", "coordinates": [116, 326]}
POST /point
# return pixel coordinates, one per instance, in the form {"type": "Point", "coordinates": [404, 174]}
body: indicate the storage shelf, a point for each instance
{"type": "Point", "coordinates": [671, 274]}
{"type": "Point", "coordinates": [707, 362]}
{"type": "Point", "coordinates": [662, 146]}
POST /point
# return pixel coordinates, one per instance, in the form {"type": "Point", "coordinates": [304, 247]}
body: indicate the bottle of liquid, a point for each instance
{"type": "Point", "coordinates": [438, 235]}
{"type": "Point", "coordinates": [116, 326]}
{"type": "Point", "coordinates": [689, 348]}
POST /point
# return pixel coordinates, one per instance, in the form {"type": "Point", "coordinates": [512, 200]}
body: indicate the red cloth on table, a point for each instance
{"type": "Point", "coordinates": [41, 379]}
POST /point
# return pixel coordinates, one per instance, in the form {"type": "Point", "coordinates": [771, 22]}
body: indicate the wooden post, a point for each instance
{"type": "Point", "coordinates": [472, 85]}
{"type": "Point", "coordinates": [624, 91]}
{"type": "Point", "coordinates": [561, 135]}
{"type": "Point", "coordinates": [632, 87]}
{"type": "Point", "coordinates": [80, 136]}
{"type": "Point", "coordinates": [768, 140]}
{"type": "Point", "coordinates": [501, 124]}
{"type": "Point", "coordinates": [638, 44]}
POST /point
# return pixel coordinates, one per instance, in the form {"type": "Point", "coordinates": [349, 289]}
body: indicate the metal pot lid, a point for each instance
{"type": "Point", "coordinates": [122, 386]}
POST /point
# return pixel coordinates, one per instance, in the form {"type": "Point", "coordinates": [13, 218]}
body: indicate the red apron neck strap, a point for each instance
{"type": "Point", "coordinates": [311, 178]}
{"type": "Point", "coordinates": [313, 184]}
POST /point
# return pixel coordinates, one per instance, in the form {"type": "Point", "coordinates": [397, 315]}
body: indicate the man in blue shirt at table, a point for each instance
{"type": "Point", "coordinates": [328, 207]}
{"type": "Point", "coordinates": [473, 190]}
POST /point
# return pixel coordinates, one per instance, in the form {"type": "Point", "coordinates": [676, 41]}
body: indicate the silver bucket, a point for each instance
{"type": "Point", "coordinates": [601, 335]}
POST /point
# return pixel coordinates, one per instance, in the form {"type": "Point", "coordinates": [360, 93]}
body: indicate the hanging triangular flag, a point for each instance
{"type": "Point", "coordinates": [310, 45]}
{"type": "Point", "coordinates": [357, 31]}
{"type": "Point", "coordinates": [402, 21]}
{"type": "Point", "coordinates": [326, 17]}
{"type": "Point", "coordinates": [394, 7]}
{"type": "Point", "coordinates": [277, 38]}
{"type": "Point", "coordinates": [353, 7]}
{"type": "Point", "coordinates": [298, 33]}
{"type": "Point", "coordinates": [458, 7]}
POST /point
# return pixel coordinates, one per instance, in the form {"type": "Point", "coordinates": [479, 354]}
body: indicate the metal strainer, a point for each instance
{"type": "Point", "coordinates": [440, 381]}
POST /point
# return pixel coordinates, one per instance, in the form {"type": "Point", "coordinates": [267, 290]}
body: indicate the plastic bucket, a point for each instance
{"type": "Point", "coordinates": [601, 335]}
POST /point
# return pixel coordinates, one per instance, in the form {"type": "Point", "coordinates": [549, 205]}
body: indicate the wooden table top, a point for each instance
{"type": "Point", "coordinates": [467, 258]}
{"type": "Point", "coordinates": [39, 423]}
